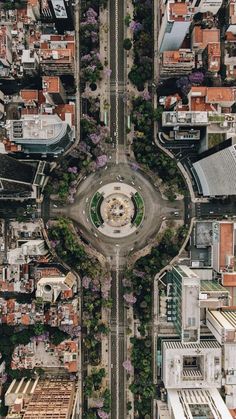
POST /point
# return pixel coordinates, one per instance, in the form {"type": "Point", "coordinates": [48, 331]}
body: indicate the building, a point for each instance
{"type": "Point", "coordinates": [29, 102]}
{"type": "Point", "coordinates": [212, 99]}
{"type": "Point", "coordinates": [184, 309]}
{"type": "Point", "coordinates": [203, 6]}
{"type": "Point", "coordinates": [17, 278]}
{"type": "Point", "coordinates": [62, 14]}
{"type": "Point", "coordinates": [52, 399]}
{"type": "Point", "coordinates": [14, 313]}
{"type": "Point", "coordinates": [20, 180]}
{"type": "Point", "coordinates": [223, 241]}
{"type": "Point", "coordinates": [212, 295]}
{"type": "Point", "coordinates": [26, 251]}
{"type": "Point", "coordinates": [197, 403]}
{"type": "Point", "coordinates": [30, 61]}
{"type": "Point", "coordinates": [42, 354]}
{"type": "Point", "coordinates": [40, 399]}
{"type": "Point", "coordinates": [190, 366]}
{"type": "Point", "coordinates": [2, 105]}
{"type": "Point", "coordinates": [212, 57]}
{"type": "Point", "coordinates": [175, 25]}
{"type": "Point", "coordinates": [222, 324]}
{"type": "Point", "coordinates": [229, 282]}
{"type": "Point", "coordinates": [43, 135]}
{"type": "Point", "coordinates": [216, 173]}
{"type": "Point", "coordinates": [232, 18]}
{"type": "Point", "coordinates": [33, 10]}
{"type": "Point", "coordinates": [230, 58]}
{"type": "Point", "coordinates": [202, 37]}
{"type": "Point", "coordinates": [5, 51]}
{"type": "Point", "coordinates": [19, 389]}
{"type": "Point", "coordinates": [184, 118]}
{"type": "Point", "coordinates": [230, 42]}
{"type": "Point", "coordinates": [49, 288]}
{"type": "Point", "coordinates": [57, 54]}
{"type": "Point", "coordinates": [176, 63]}
{"type": "Point", "coordinates": [53, 90]}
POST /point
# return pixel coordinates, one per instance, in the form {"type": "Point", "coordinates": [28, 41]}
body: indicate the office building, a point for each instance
{"type": "Point", "coordinates": [222, 324]}
{"type": "Point", "coordinates": [20, 180]}
{"type": "Point", "coordinates": [190, 366]}
{"type": "Point", "coordinates": [216, 173]}
{"type": "Point", "coordinates": [43, 135]}
{"type": "Point", "coordinates": [62, 14]}
{"type": "Point", "coordinates": [40, 399]}
{"type": "Point", "coordinates": [175, 25]}
{"type": "Point", "coordinates": [184, 309]}
{"type": "Point", "coordinates": [184, 118]}
{"type": "Point", "coordinates": [197, 403]}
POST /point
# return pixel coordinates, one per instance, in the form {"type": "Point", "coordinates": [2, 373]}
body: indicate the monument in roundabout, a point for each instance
{"type": "Point", "coordinates": [117, 209]}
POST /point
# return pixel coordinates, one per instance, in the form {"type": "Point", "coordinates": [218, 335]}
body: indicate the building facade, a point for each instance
{"type": "Point", "coordinates": [175, 25]}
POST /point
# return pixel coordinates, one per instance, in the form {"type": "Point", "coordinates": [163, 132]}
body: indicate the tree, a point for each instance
{"type": "Point", "coordinates": [157, 113]}
{"type": "Point", "coordinates": [39, 329]}
{"type": "Point", "coordinates": [127, 44]}
{"type": "Point", "coordinates": [127, 20]}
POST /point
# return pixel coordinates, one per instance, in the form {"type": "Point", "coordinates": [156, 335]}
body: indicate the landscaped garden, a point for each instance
{"type": "Point", "coordinates": [139, 209]}
{"type": "Point", "coordinates": [141, 25]}
{"type": "Point", "coordinates": [147, 153]}
{"type": "Point", "coordinates": [94, 281]}
{"type": "Point", "coordinates": [95, 209]}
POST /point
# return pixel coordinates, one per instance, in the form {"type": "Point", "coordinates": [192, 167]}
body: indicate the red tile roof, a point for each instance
{"type": "Point", "coordinates": [202, 37]}
{"type": "Point", "coordinates": [29, 95]}
{"type": "Point", "coordinates": [226, 242]}
{"type": "Point", "coordinates": [51, 84]}
{"type": "Point", "coordinates": [229, 279]}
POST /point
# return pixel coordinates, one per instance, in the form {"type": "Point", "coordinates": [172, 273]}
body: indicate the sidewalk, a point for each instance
{"type": "Point", "coordinates": [129, 345]}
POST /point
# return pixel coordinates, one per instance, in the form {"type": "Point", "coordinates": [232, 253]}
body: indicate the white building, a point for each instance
{"type": "Point", "coordinates": [191, 366]}
{"type": "Point", "coordinates": [175, 25]}
{"type": "Point", "coordinates": [197, 403]}
{"type": "Point", "coordinates": [41, 134]}
{"type": "Point", "coordinates": [184, 118]}
{"type": "Point", "coordinates": [49, 288]}
{"type": "Point", "coordinates": [26, 251]}
{"type": "Point", "coordinates": [222, 324]}
{"type": "Point", "coordinates": [203, 6]}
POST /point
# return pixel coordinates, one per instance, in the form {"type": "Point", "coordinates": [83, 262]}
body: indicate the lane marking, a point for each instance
{"type": "Point", "coordinates": [117, 83]}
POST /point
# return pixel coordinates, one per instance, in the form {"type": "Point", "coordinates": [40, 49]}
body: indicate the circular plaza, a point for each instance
{"type": "Point", "coordinates": [117, 209]}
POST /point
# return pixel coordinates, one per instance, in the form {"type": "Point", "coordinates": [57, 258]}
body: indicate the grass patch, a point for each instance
{"type": "Point", "coordinates": [95, 209]}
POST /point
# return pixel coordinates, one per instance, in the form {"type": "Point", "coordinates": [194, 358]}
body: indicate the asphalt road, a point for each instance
{"type": "Point", "coordinates": [156, 208]}
{"type": "Point", "coordinates": [117, 87]}
{"type": "Point", "coordinates": [216, 209]}
{"type": "Point", "coordinates": [117, 348]}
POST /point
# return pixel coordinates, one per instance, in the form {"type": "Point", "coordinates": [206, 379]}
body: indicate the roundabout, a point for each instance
{"type": "Point", "coordinates": [117, 209]}
{"type": "Point", "coordinates": [110, 210]}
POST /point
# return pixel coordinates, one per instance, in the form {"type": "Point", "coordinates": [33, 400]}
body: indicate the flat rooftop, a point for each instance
{"type": "Point", "coordinates": [203, 234]}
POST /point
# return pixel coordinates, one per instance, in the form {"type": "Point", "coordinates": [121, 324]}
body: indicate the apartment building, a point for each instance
{"type": "Point", "coordinates": [175, 24]}
{"type": "Point", "coordinates": [176, 63]}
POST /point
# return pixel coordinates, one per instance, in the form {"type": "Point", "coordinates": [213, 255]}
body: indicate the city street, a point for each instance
{"type": "Point", "coordinates": [157, 208]}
